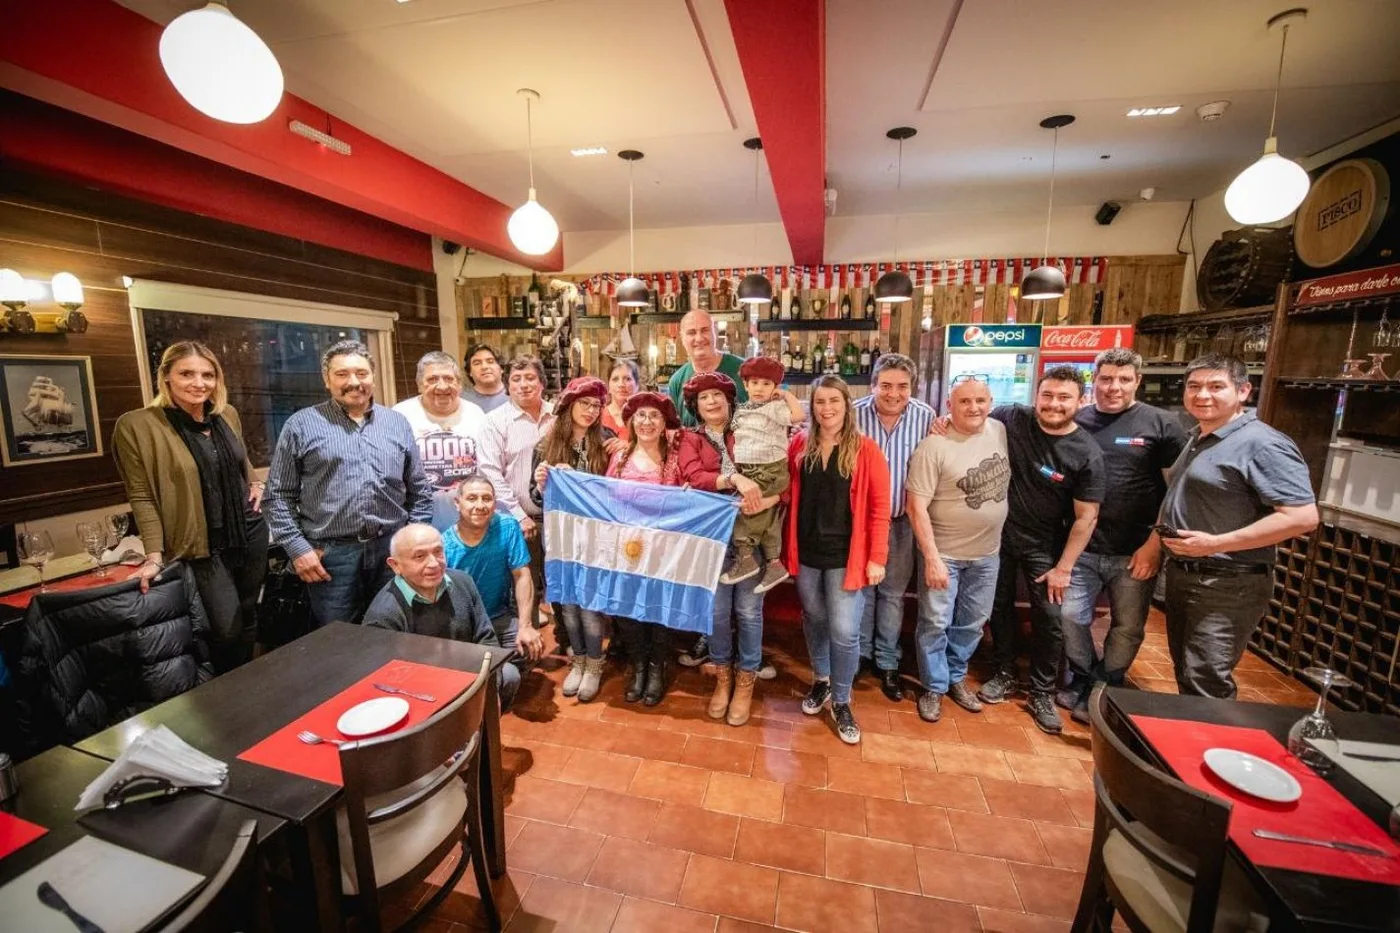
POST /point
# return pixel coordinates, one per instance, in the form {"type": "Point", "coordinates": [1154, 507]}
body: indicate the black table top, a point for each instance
{"type": "Point", "coordinates": [192, 829]}
{"type": "Point", "coordinates": [235, 711]}
{"type": "Point", "coordinates": [1316, 902]}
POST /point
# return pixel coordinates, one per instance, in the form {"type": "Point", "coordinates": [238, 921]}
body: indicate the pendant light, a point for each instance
{"type": "Point", "coordinates": [220, 66]}
{"type": "Point", "coordinates": [531, 228]}
{"type": "Point", "coordinates": [1048, 281]}
{"type": "Point", "coordinates": [895, 286]}
{"type": "Point", "coordinates": [754, 288]}
{"type": "Point", "coordinates": [1273, 187]}
{"type": "Point", "coordinates": [633, 292]}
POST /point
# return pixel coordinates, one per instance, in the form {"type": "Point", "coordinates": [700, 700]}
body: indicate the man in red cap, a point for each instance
{"type": "Point", "coordinates": [760, 453]}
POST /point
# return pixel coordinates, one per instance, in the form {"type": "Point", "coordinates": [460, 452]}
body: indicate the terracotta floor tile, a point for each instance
{"type": "Point", "coordinates": [638, 916]}
{"type": "Point", "coordinates": [909, 724]}
{"type": "Point", "coordinates": [734, 889]}
{"type": "Point", "coordinates": [718, 755]}
{"type": "Point", "coordinates": [632, 715]}
{"type": "Point", "coordinates": [761, 730]}
{"type": "Point", "coordinates": [899, 750]}
{"type": "Point", "coordinates": [864, 778]}
{"type": "Point", "coordinates": [1027, 801]}
{"type": "Point", "coordinates": [871, 862]}
{"type": "Point", "coordinates": [665, 781]}
{"type": "Point", "coordinates": [695, 829]}
{"type": "Point", "coordinates": [1048, 772]}
{"type": "Point", "coordinates": [915, 824]}
{"type": "Point", "coordinates": [640, 869]}
{"type": "Point", "coordinates": [970, 879]}
{"type": "Point", "coordinates": [539, 799]}
{"type": "Point", "coordinates": [463, 904]}
{"type": "Point", "coordinates": [555, 851]}
{"type": "Point", "coordinates": [551, 906]}
{"type": "Point", "coordinates": [744, 796]}
{"type": "Point", "coordinates": [782, 845]}
{"type": "Point", "coordinates": [1053, 892]}
{"type": "Point", "coordinates": [912, 913]}
{"type": "Point", "coordinates": [518, 726]}
{"type": "Point", "coordinates": [1069, 846]}
{"type": "Point", "coordinates": [955, 791]}
{"type": "Point", "coordinates": [657, 744]}
{"type": "Point", "coordinates": [1006, 921]}
{"type": "Point", "coordinates": [969, 759]}
{"type": "Point", "coordinates": [822, 809]}
{"type": "Point", "coordinates": [818, 905]}
{"type": "Point", "coordinates": [537, 759]}
{"type": "Point", "coordinates": [583, 733]}
{"type": "Point", "coordinates": [599, 769]}
{"type": "Point", "coordinates": [733, 925]}
{"type": "Point", "coordinates": [789, 767]}
{"type": "Point", "coordinates": [1065, 745]}
{"type": "Point", "coordinates": [997, 837]}
{"type": "Point", "coordinates": [1081, 803]}
{"type": "Point", "coordinates": [991, 735]}
{"type": "Point", "coordinates": [817, 737]}
{"type": "Point", "coordinates": [572, 710]}
{"type": "Point", "coordinates": [614, 814]}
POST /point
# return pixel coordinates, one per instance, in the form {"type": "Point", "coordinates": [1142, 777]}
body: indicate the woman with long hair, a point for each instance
{"type": "Point", "coordinates": [840, 514]}
{"type": "Point", "coordinates": [623, 381]}
{"type": "Point", "coordinates": [195, 496]}
{"type": "Point", "coordinates": [577, 441]}
{"type": "Point", "coordinates": [651, 456]}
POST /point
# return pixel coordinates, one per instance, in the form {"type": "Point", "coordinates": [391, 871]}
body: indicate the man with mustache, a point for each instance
{"type": "Point", "coordinates": [344, 477]}
{"type": "Point", "coordinates": [447, 428]}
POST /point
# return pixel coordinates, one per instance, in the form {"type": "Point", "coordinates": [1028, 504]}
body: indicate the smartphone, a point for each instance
{"type": "Point", "coordinates": [1166, 531]}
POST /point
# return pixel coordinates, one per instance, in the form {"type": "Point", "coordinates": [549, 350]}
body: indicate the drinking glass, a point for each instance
{"type": "Point", "coordinates": [1315, 729]}
{"type": "Point", "coordinates": [35, 548]}
{"type": "Point", "coordinates": [1382, 337]}
{"type": "Point", "coordinates": [94, 540]}
{"type": "Point", "coordinates": [117, 522]}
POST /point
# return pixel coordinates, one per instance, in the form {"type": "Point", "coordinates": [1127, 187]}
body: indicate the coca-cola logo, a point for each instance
{"type": "Point", "coordinates": [1074, 340]}
{"type": "Point", "coordinates": [1084, 338]}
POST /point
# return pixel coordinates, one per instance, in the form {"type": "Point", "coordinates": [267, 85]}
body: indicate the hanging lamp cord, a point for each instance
{"type": "Point", "coordinates": [631, 227]}
{"type": "Point", "coordinates": [898, 184]}
{"type": "Point", "coordinates": [530, 141]}
{"type": "Point", "coordinates": [1278, 80]}
{"type": "Point", "coordinates": [1054, 153]}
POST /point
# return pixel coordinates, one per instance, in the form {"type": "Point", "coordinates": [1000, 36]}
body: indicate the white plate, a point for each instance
{"type": "Point", "coordinates": [373, 716]}
{"type": "Point", "coordinates": [1253, 775]}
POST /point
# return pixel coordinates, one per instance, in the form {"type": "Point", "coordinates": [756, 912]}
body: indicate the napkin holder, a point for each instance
{"type": "Point", "coordinates": [137, 787]}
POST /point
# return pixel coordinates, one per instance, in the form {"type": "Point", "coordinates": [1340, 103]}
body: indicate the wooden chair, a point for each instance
{"type": "Point", "coordinates": [235, 899]}
{"type": "Point", "coordinates": [410, 798]}
{"type": "Point", "coordinates": [1158, 856]}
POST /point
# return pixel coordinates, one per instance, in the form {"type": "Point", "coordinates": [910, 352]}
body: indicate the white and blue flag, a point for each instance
{"type": "Point", "coordinates": [637, 550]}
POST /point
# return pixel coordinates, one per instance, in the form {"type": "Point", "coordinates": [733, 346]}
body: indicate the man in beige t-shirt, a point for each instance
{"type": "Point", "coordinates": [956, 501]}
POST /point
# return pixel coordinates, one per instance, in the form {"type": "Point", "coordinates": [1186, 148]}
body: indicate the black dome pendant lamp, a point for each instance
{"type": "Point", "coordinates": [1048, 281]}
{"type": "Point", "coordinates": [895, 286]}
{"type": "Point", "coordinates": [632, 292]}
{"type": "Point", "coordinates": [754, 288]}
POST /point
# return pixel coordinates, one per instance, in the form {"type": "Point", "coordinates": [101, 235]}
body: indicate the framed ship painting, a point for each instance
{"type": "Point", "coordinates": [48, 409]}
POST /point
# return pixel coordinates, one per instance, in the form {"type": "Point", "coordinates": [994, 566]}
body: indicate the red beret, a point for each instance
{"type": "Point", "coordinates": [661, 403]}
{"type": "Point", "coordinates": [581, 387]}
{"type": "Point", "coordinates": [762, 367]}
{"type": "Point", "coordinates": [703, 382]}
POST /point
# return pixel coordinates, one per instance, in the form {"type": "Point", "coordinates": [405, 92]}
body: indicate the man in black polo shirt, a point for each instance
{"type": "Point", "coordinates": [1057, 483]}
{"type": "Point", "coordinates": [1238, 489]}
{"type": "Point", "coordinates": [1139, 444]}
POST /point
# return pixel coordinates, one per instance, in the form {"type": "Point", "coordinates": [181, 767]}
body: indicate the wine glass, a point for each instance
{"type": "Point", "coordinates": [35, 548]}
{"type": "Point", "coordinates": [1314, 732]}
{"type": "Point", "coordinates": [94, 540]}
{"type": "Point", "coordinates": [118, 522]}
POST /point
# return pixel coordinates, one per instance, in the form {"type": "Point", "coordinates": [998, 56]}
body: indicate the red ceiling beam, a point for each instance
{"type": "Point", "coordinates": [100, 59]}
{"type": "Point", "coordinates": [788, 93]}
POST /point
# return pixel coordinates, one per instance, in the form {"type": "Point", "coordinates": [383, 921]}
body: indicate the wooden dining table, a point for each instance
{"type": "Point", "coordinates": [1297, 900]}
{"type": "Point", "coordinates": [231, 713]}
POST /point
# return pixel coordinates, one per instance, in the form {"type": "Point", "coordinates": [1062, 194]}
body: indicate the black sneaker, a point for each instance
{"type": "Point", "coordinates": [845, 720]}
{"type": "Point", "coordinates": [998, 688]}
{"type": "Point", "coordinates": [931, 706]}
{"type": "Point", "coordinates": [816, 698]}
{"type": "Point", "coordinates": [697, 655]}
{"type": "Point", "coordinates": [1042, 709]}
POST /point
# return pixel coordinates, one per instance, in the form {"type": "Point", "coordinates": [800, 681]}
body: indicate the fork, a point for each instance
{"type": "Point", "coordinates": [311, 738]}
{"type": "Point", "coordinates": [388, 688]}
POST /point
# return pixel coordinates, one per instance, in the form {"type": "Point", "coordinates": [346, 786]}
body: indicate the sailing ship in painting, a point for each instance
{"type": "Point", "coordinates": [50, 418]}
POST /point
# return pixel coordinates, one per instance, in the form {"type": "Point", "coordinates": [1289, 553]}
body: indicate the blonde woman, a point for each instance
{"type": "Point", "coordinates": [840, 512]}
{"type": "Point", "coordinates": [194, 494]}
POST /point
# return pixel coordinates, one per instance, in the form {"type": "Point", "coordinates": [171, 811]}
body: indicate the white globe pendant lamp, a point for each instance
{"type": "Point", "coordinates": [1273, 187]}
{"type": "Point", "coordinates": [1047, 282]}
{"type": "Point", "coordinates": [532, 229]}
{"type": "Point", "coordinates": [632, 292]}
{"type": "Point", "coordinates": [220, 66]}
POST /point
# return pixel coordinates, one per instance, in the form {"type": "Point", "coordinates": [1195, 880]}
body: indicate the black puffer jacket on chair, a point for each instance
{"type": "Point", "coordinates": [97, 656]}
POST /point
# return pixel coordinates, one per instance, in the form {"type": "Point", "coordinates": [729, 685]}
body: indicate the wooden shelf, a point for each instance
{"type": "Point", "coordinates": [1333, 384]}
{"type": "Point", "coordinates": [501, 323]}
{"type": "Point", "coordinates": [593, 322]}
{"type": "Point", "coordinates": [803, 379]}
{"type": "Point", "coordinates": [674, 317]}
{"type": "Point", "coordinates": [839, 324]}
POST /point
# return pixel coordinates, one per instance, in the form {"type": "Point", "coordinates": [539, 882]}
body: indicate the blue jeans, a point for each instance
{"type": "Point", "coordinates": [951, 621]}
{"type": "Point", "coordinates": [358, 570]}
{"type": "Point", "coordinates": [508, 675]}
{"type": "Point", "coordinates": [585, 628]}
{"type": "Point", "coordinates": [1129, 601]}
{"type": "Point", "coordinates": [883, 617]}
{"type": "Point", "coordinates": [831, 622]}
{"type": "Point", "coordinates": [737, 606]}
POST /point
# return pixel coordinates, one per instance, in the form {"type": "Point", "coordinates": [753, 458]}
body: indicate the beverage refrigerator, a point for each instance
{"type": "Point", "coordinates": [1077, 346]}
{"type": "Point", "coordinates": [1006, 356]}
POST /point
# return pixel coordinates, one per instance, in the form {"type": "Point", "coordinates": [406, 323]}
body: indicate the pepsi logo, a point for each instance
{"type": "Point", "coordinates": [974, 336]}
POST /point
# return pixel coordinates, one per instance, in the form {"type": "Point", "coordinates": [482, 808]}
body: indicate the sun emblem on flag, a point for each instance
{"type": "Point", "coordinates": [633, 548]}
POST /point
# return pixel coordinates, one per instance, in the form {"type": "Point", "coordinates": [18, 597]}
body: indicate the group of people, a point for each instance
{"type": "Point", "coordinates": [428, 517]}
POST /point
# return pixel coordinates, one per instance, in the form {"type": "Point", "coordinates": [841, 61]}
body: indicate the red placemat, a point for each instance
{"type": "Point", "coordinates": [284, 751]}
{"type": "Point", "coordinates": [16, 833]}
{"type": "Point", "coordinates": [1320, 813]}
{"type": "Point", "coordinates": [19, 599]}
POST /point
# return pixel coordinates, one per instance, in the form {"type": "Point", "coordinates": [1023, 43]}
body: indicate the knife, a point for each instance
{"type": "Point", "coordinates": [49, 897]}
{"type": "Point", "coordinates": [1352, 847]}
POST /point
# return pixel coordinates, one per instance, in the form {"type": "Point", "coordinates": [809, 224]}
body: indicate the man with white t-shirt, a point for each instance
{"type": "Point", "coordinates": [446, 427]}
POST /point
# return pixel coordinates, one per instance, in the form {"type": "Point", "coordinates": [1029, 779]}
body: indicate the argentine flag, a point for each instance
{"type": "Point", "coordinates": [637, 550]}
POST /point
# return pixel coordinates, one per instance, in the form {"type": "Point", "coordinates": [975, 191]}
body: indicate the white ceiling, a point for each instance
{"type": "Point", "coordinates": [437, 79]}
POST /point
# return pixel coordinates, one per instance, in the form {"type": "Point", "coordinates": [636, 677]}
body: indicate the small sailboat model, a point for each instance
{"type": "Point", "coordinates": [620, 347]}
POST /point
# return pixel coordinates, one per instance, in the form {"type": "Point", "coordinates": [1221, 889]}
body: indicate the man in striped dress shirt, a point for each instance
{"type": "Point", "coordinates": [892, 418]}
{"type": "Point", "coordinates": [344, 477]}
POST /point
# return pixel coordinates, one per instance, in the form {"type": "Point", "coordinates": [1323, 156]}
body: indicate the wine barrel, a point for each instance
{"type": "Point", "coordinates": [1342, 213]}
{"type": "Point", "coordinates": [1244, 267]}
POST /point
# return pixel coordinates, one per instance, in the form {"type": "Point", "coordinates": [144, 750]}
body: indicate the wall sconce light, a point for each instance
{"type": "Point", "coordinates": [16, 293]}
{"type": "Point", "coordinates": [68, 295]}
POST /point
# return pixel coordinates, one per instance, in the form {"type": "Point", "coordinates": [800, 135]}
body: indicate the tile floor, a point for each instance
{"type": "Point", "coordinates": [622, 818]}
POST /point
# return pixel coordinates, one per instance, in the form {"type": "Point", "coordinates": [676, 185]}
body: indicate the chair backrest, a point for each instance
{"type": "Point", "coordinates": [1133, 794]}
{"type": "Point", "coordinates": [234, 900]}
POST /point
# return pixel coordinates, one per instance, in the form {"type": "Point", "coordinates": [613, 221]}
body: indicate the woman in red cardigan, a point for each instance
{"type": "Point", "coordinates": [840, 513]}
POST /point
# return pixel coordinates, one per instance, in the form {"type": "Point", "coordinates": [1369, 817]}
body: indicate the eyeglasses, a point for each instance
{"type": "Point", "coordinates": [589, 404]}
{"type": "Point", "coordinates": [971, 377]}
{"type": "Point", "coordinates": [648, 414]}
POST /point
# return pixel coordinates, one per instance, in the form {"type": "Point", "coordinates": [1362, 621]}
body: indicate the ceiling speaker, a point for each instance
{"type": "Point", "coordinates": [1107, 211]}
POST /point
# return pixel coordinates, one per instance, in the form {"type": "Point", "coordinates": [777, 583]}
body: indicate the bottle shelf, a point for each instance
{"type": "Point", "coordinates": [1332, 383]}
{"type": "Point", "coordinates": [803, 379]}
{"type": "Point", "coordinates": [501, 323]}
{"type": "Point", "coordinates": [674, 317]}
{"type": "Point", "coordinates": [837, 324]}
{"type": "Point", "coordinates": [592, 322]}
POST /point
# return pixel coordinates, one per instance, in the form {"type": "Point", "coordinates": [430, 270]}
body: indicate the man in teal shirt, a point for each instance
{"type": "Point", "coordinates": [698, 338]}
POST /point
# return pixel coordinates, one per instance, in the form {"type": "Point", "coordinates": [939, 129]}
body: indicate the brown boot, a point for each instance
{"type": "Point", "coordinates": [719, 701]}
{"type": "Point", "coordinates": [743, 698]}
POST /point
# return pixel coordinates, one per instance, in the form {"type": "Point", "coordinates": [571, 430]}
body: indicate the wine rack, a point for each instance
{"type": "Point", "coordinates": [1273, 638]}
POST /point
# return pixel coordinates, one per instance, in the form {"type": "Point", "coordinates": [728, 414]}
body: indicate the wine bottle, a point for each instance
{"type": "Point", "coordinates": [850, 359]}
{"type": "Point", "coordinates": [845, 307]}
{"type": "Point", "coordinates": [786, 358]}
{"type": "Point", "coordinates": [818, 359]}
{"type": "Point", "coordinates": [533, 294]}
{"type": "Point", "coordinates": [796, 310]}
{"type": "Point", "coordinates": [870, 307]}
{"type": "Point", "coordinates": [775, 307]}
{"type": "Point", "coordinates": [865, 359]}
{"type": "Point", "coordinates": [799, 364]}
